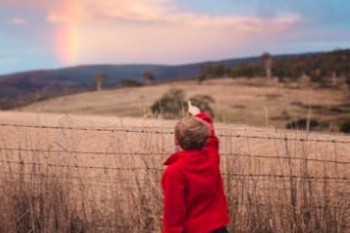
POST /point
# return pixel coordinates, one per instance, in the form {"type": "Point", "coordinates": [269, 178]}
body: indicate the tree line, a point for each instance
{"type": "Point", "coordinates": [319, 67]}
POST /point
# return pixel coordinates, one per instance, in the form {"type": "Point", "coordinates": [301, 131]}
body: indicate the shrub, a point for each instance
{"type": "Point", "coordinates": [201, 78]}
{"type": "Point", "coordinates": [171, 104]}
{"type": "Point", "coordinates": [308, 124]}
{"type": "Point", "coordinates": [303, 124]}
{"type": "Point", "coordinates": [345, 126]}
{"type": "Point", "coordinates": [203, 102]}
{"type": "Point", "coordinates": [174, 105]}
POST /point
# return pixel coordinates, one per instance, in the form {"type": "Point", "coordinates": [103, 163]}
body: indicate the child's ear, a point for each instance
{"type": "Point", "coordinates": [177, 147]}
{"type": "Point", "coordinates": [176, 142]}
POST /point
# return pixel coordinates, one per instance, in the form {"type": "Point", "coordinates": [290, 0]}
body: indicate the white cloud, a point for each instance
{"type": "Point", "coordinates": [137, 10]}
{"type": "Point", "coordinates": [241, 23]}
{"type": "Point", "coordinates": [151, 30]}
{"type": "Point", "coordinates": [18, 21]}
{"type": "Point", "coordinates": [165, 12]}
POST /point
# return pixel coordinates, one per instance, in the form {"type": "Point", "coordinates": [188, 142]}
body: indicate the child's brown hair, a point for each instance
{"type": "Point", "coordinates": [191, 133]}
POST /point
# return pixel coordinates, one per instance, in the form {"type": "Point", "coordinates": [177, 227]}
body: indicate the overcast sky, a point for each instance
{"type": "Point", "coordinates": [41, 34]}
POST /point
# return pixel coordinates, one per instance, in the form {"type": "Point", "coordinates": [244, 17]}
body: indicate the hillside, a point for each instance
{"type": "Point", "coordinates": [81, 76]}
{"type": "Point", "coordinates": [243, 101]}
{"type": "Point", "coordinates": [20, 89]}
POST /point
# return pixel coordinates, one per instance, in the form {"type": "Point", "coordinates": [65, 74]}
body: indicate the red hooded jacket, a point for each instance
{"type": "Point", "coordinates": [194, 199]}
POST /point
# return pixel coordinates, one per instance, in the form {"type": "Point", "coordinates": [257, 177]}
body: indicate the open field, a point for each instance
{"type": "Point", "coordinates": [66, 173]}
{"type": "Point", "coordinates": [241, 101]}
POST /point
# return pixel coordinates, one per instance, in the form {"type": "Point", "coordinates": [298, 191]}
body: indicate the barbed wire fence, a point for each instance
{"type": "Point", "coordinates": [148, 130]}
{"type": "Point", "coordinates": [50, 151]}
{"type": "Point", "coordinates": [154, 130]}
{"type": "Point", "coordinates": [107, 182]}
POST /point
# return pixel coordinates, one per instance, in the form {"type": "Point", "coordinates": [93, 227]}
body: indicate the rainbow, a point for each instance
{"type": "Point", "coordinates": [66, 35]}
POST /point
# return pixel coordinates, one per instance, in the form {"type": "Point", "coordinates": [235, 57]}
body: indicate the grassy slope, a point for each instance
{"type": "Point", "coordinates": [237, 101]}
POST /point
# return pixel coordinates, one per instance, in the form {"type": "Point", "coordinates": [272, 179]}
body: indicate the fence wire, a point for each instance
{"type": "Point", "coordinates": [145, 131]}
{"type": "Point", "coordinates": [165, 154]}
{"type": "Point", "coordinates": [157, 169]}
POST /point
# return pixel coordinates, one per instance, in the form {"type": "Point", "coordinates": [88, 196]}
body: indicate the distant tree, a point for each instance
{"type": "Point", "coordinates": [292, 68]}
{"type": "Point", "coordinates": [149, 77]}
{"type": "Point", "coordinates": [201, 78]}
{"type": "Point", "coordinates": [98, 80]}
{"type": "Point", "coordinates": [220, 70]}
{"type": "Point", "coordinates": [267, 61]}
{"type": "Point", "coordinates": [246, 70]}
{"type": "Point", "coordinates": [206, 70]}
{"type": "Point", "coordinates": [209, 71]}
{"type": "Point", "coordinates": [205, 73]}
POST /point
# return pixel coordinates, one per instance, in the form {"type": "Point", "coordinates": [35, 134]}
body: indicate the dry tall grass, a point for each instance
{"type": "Point", "coordinates": [108, 180]}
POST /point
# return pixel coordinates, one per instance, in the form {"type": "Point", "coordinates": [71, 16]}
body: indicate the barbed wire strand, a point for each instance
{"type": "Point", "coordinates": [161, 170]}
{"type": "Point", "coordinates": [82, 179]}
{"type": "Point", "coordinates": [79, 166]}
{"type": "Point", "coordinates": [91, 182]}
{"type": "Point", "coordinates": [165, 154]}
{"type": "Point", "coordinates": [219, 127]}
{"type": "Point", "coordinates": [285, 138]}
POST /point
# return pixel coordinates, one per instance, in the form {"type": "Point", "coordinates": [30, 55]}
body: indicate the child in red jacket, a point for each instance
{"type": "Point", "coordinates": [194, 199]}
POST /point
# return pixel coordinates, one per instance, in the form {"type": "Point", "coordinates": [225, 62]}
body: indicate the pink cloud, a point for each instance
{"type": "Point", "coordinates": [148, 11]}
{"type": "Point", "coordinates": [137, 10]}
{"type": "Point", "coordinates": [128, 30]}
{"type": "Point", "coordinates": [159, 43]}
{"type": "Point", "coordinates": [165, 11]}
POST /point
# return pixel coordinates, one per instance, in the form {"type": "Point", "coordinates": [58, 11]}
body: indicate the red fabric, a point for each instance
{"type": "Point", "coordinates": [194, 199]}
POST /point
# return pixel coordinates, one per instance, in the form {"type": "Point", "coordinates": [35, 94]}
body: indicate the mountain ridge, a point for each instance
{"type": "Point", "coordinates": [21, 88]}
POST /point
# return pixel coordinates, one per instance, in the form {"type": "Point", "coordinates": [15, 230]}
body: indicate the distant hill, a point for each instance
{"type": "Point", "coordinates": [82, 74]}
{"type": "Point", "coordinates": [22, 88]}
{"type": "Point", "coordinates": [19, 89]}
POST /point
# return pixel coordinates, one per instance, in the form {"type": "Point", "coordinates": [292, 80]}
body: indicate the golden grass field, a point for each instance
{"type": "Point", "coordinates": [81, 173]}
{"type": "Point", "coordinates": [240, 101]}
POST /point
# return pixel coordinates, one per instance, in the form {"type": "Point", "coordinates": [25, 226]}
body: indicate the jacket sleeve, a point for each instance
{"type": "Point", "coordinates": [212, 145]}
{"type": "Point", "coordinates": [174, 201]}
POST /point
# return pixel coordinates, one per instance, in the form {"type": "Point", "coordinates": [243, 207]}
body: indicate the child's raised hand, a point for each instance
{"type": "Point", "coordinates": [193, 110]}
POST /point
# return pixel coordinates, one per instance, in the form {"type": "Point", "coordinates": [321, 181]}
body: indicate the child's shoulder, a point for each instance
{"type": "Point", "coordinates": [173, 172]}
{"type": "Point", "coordinates": [174, 158]}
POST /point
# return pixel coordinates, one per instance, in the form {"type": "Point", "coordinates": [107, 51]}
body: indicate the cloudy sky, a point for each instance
{"type": "Point", "coordinates": [41, 34]}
